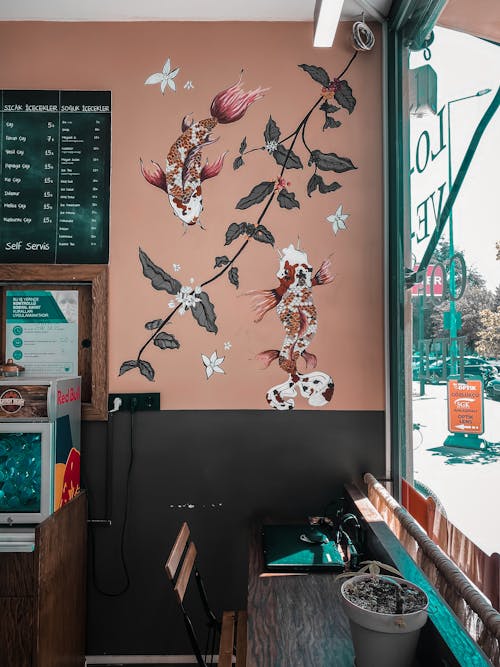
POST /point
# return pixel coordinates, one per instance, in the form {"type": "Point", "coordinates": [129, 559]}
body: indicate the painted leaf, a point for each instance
{"type": "Point", "coordinates": [329, 108]}
{"type": "Point", "coordinates": [250, 229]}
{"type": "Point", "coordinates": [344, 96]}
{"type": "Point", "coordinates": [325, 187]}
{"type": "Point", "coordinates": [243, 146]}
{"type": "Point", "coordinates": [160, 280]}
{"type": "Point", "coordinates": [234, 230]}
{"type": "Point", "coordinates": [233, 277]}
{"type": "Point", "coordinates": [293, 161]}
{"type": "Point", "coordinates": [127, 366]}
{"type": "Point", "coordinates": [272, 131]}
{"type": "Point", "coordinates": [257, 195]}
{"type": "Point", "coordinates": [238, 162]}
{"type": "Point", "coordinates": [287, 199]}
{"type": "Point", "coordinates": [263, 235]}
{"type": "Point", "coordinates": [147, 370]}
{"type": "Point", "coordinates": [330, 162]}
{"type": "Point", "coordinates": [317, 73]}
{"type": "Point", "coordinates": [154, 324]}
{"type": "Point", "coordinates": [312, 184]}
{"type": "Point", "coordinates": [331, 122]}
{"type": "Point", "coordinates": [204, 313]}
{"type": "Point", "coordinates": [166, 341]}
{"type": "Point", "coordinates": [316, 182]}
{"type": "Point", "coordinates": [221, 261]}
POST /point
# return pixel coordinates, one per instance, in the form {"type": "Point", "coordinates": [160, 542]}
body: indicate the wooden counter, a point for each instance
{"type": "Point", "coordinates": [42, 594]}
{"type": "Point", "coordinates": [294, 619]}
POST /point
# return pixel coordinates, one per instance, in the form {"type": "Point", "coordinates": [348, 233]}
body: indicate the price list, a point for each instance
{"type": "Point", "coordinates": [54, 176]}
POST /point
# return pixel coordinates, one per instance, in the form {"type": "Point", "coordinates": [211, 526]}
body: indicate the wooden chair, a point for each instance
{"type": "Point", "coordinates": [232, 631]}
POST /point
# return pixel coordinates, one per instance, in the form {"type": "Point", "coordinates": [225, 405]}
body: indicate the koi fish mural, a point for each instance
{"type": "Point", "coordinates": [184, 173]}
{"type": "Point", "coordinates": [295, 307]}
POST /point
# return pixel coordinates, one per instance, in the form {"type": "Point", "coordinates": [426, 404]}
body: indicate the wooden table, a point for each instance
{"type": "Point", "coordinates": [294, 620]}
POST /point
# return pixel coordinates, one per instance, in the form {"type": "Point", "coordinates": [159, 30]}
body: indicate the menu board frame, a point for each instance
{"type": "Point", "coordinates": [91, 281]}
{"type": "Point", "coordinates": [55, 167]}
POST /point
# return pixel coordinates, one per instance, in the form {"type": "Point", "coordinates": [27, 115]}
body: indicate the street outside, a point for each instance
{"type": "Point", "coordinates": [467, 482]}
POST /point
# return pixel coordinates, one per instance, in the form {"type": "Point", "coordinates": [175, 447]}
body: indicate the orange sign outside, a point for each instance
{"type": "Point", "coordinates": [465, 406]}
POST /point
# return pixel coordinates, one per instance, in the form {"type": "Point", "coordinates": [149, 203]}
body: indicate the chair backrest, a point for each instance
{"type": "Point", "coordinates": [180, 566]}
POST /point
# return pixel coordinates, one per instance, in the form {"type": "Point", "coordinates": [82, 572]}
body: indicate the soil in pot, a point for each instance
{"type": "Point", "coordinates": [385, 596]}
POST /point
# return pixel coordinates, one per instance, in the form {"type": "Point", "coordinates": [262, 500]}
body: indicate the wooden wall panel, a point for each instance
{"type": "Point", "coordinates": [16, 619]}
{"type": "Point", "coordinates": [17, 576]}
{"type": "Point", "coordinates": [61, 551]}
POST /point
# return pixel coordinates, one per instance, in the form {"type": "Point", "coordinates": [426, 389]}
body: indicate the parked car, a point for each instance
{"type": "Point", "coordinates": [471, 366]}
{"type": "Point", "coordinates": [495, 363]}
{"type": "Point", "coordinates": [492, 388]}
{"type": "Point", "coordinates": [415, 364]}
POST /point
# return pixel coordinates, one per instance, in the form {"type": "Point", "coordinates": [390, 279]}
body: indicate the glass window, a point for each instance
{"type": "Point", "coordinates": [454, 327]}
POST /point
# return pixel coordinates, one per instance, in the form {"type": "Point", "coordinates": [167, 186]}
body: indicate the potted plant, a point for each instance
{"type": "Point", "coordinates": [385, 614]}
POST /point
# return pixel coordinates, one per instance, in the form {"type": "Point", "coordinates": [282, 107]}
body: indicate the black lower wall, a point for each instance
{"type": "Point", "coordinates": [217, 470]}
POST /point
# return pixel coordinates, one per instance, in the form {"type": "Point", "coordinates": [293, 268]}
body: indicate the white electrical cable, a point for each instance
{"type": "Point", "coordinates": [362, 37]}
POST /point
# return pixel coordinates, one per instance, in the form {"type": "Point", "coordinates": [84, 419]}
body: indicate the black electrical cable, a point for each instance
{"type": "Point", "coordinates": [123, 560]}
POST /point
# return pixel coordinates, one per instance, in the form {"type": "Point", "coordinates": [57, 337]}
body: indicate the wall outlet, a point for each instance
{"type": "Point", "coordinates": [135, 402]}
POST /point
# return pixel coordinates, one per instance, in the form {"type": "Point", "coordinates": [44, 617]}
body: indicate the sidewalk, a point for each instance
{"type": "Point", "coordinates": [466, 481]}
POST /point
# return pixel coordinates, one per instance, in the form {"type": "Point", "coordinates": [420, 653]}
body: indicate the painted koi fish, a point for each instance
{"type": "Point", "coordinates": [294, 304]}
{"type": "Point", "coordinates": [184, 172]}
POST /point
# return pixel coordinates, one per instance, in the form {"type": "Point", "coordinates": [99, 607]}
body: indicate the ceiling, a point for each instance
{"type": "Point", "coordinates": [180, 10]}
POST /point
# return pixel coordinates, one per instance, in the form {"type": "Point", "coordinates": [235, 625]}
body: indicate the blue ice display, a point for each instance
{"type": "Point", "coordinates": [20, 472]}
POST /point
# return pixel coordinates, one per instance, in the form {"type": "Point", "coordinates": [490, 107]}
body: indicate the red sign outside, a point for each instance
{"type": "Point", "coordinates": [433, 274]}
{"type": "Point", "coordinates": [465, 406]}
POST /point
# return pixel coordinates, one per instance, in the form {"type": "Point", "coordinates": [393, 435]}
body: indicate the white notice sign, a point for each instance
{"type": "Point", "coordinates": [42, 331]}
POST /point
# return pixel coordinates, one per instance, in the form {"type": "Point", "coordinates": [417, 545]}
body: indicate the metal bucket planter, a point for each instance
{"type": "Point", "coordinates": [383, 639]}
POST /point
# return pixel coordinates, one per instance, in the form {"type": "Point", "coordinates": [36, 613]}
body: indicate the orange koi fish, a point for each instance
{"type": "Point", "coordinates": [184, 173]}
{"type": "Point", "coordinates": [294, 304]}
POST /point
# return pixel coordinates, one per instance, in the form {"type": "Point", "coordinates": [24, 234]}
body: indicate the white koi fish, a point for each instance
{"type": "Point", "coordinates": [184, 173]}
{"type": "Point", "coordinates": [295, 307]}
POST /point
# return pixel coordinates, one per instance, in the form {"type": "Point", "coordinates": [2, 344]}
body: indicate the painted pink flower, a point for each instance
{"type": "Point", "coordinates": [281, 183]}
{"type": "Point", "coordinates": [230, 104]}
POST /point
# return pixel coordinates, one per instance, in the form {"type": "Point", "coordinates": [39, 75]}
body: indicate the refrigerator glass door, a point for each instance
{"type": "Point", "coordinates": [26, 477]}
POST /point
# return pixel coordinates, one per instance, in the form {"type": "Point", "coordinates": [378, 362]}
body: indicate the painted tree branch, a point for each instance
{"type": "Point", "coordinates": [195, 299]}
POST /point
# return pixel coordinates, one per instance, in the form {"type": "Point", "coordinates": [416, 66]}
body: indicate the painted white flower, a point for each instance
{"type": "Point", "coordinates": [271, 146]}
{"type": "Point", "coordinates": [187, 297]}
{"type": "Point", "coordinates": [176, 267]}
{"type": "Point", "coordinates": [212, 364]}
{"type": "Point", "coordinates": [188, 85]}
{"type": "Point", "coordinates": [164, 78]}
{"type": "Point", "coordinates": [338, 219]}
{"type": "Point", "coordinates": [227, 345]}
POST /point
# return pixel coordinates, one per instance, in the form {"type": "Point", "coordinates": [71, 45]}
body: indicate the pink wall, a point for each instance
{"type": "Point", "coordinates": [119, 57]}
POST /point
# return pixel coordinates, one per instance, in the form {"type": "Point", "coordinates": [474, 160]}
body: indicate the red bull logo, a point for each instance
{"type": "Point", "coordinates": [73, 394]}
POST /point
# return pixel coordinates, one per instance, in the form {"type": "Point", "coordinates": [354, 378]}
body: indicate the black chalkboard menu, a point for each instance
{"type": "Point", "coordinates": [54, 176]}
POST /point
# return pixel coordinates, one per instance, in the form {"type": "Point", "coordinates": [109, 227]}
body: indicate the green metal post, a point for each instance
{"type": "Point", "coordinates": [453, 308]}
{"type": "Point", "coordinates": [421, 303]}
{"type": "Point", "coordinates": [398, 171]}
